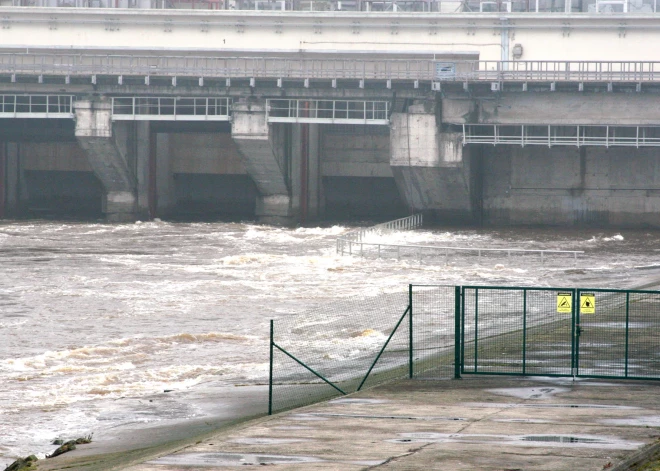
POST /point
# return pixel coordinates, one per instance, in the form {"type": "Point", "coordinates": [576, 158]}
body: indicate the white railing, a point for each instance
{"type": "Point", "coordinates": [403, 224]}
{"type": "Point", "coordinates": [349, 68]}
{"type": "Point", "coordinates": [328, 111]}
{"type": "Point", "coordinates": [36, 106]}
{"type": "Point", "coordinates": [579, 135]}
{"type": "Point", "coordinates": [391, 6]}
{"type": "Point", "coordinates": [563, 71]}
{"type": "Point", "coordinates": [352, 243]}
{"type": "Point", "coordinates": [171, 109]}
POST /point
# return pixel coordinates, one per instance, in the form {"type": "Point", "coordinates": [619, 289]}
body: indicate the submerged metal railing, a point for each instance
{"type": "Point", "coordinates": [345, 241]}
{"type": "Point", "coordinates": [421, 252]}
{"type": "Point", "coordinates": [353, 243]}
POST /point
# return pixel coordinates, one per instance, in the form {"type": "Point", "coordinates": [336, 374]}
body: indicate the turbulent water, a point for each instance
{"type": "Point", "coordinates": [92, 312]}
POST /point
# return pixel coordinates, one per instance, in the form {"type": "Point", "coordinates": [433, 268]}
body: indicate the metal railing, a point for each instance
{"type": "Point", "coordinates": [565, 71]}
{"type": "Point", "coordinates": [36, 106]}
{"type": "Point", "coordinates": [393, 6]}
{"type": "Point", "coordinates": [436, 331]}
{"type": "Point", "coordinates": [225, 67]}
{"type": "Point", "coordinates": [579, 135]}
{"type": "Point", "coordinates": [403, 224]}
{"type": "Point", "coordinates": [328, 111]}
{"type": "Point", "coordinates": [347, 345]}
{"type": "Point", "coordinates": [353, 243]}
{"type": "Point", "coordinates": [423, 252]}
{"type": "Point", "coordinates": [426, 70]}
{"type": "Point", "coordinates": [327, 69]}
{"type": "Point", "coordinates": [605, 333]}
{"type": "Point", "coordinates": [171, 109]}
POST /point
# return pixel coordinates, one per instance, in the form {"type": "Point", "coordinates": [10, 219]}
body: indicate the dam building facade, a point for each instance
{"type": "Point", "coordinates": [292, 112]}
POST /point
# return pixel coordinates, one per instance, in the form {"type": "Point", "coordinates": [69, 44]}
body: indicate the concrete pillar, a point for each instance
{"type": "Point", "coordinates": [430, 167]}
{"type": "Point", "coordinates": [263, 154]}
{"type": "Point", "coordinates": [296, 133]}
{"type": "Point", "coordinates": [305, 171]}
{"type": "Point", "coordinates": [314, 172]}
{"type": "Point", "coordinates": [16, 195]}
{"type": "Point", "coordinates": [165, 189]}
{"type": "Point", "coordinates": [3, 184]}
{"type": "Point", "coordinates": [142, 151]}
{"type": "Point", "coordinates": [94, 132]}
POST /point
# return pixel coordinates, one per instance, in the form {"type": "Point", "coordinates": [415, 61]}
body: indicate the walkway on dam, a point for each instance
{"type": "Point", "coordinates": [485, 423]}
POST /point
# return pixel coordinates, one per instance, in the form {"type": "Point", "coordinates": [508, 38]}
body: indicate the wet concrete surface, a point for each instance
{"type": "Point", "coordinates": [477, 423]}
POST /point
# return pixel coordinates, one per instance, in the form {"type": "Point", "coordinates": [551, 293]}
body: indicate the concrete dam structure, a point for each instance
{"type": "Point", "coordinates": [498, 118]}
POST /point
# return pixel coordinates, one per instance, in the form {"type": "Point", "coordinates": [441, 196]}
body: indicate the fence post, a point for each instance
{"type": "Point", "coordinates": [524, 345]}
{"type": "Point", "coordinates": [457, 332]}
{"type": "Point", "coordinates": [410, 328]}
{"type": "Point", "coordinates": [627, 331]}
{"type": "Point", "coordinates": [270, 375]}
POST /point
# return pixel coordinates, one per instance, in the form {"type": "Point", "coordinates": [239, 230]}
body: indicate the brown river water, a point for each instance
{"type": "Point", "coordinates": [90, 312]}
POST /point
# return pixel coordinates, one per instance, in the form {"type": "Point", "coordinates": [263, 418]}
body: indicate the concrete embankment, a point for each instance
{"type": "Point", "coordinates": [485, 423]}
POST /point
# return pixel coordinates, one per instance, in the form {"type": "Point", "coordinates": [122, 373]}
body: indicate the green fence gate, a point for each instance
{"type": "Point", "coordinates": [560, 332]}
{"type": "Point", "coordinates": [435, 331]}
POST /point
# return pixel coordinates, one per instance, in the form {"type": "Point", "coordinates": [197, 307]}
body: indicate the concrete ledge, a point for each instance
{"type": "Point", "coordinates": [643, 456]}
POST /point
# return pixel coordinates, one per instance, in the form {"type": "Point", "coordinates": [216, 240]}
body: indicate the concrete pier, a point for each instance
{"type": "Point", "coordinates": [431, 167]}
{"type": "Point", "coordinates": [94, 132]}
{"type": "Point", "coordinates": [16, 192]}
{"type": "Point", "coordinates": [262, 150]}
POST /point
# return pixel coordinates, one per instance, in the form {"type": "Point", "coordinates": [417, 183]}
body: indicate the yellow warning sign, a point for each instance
{"type": "Point", "coordinates": [587, 303]}
{"type": "Point", "coordinates": [565, 302]}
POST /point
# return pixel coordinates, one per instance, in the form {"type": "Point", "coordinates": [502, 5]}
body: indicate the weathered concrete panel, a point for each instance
{"type": "Point", "coordinates": [416, 140]}
{"type": "Point", "coordinates": [54, 156]}
{"type": "Point", "coordinates": [64, 192]}
{"type": "Point", "coordinates": [554, 108]}
{"type": "Point", "coordinates": [260, 147]}
{"type": "Point", "coordinates": [215, 194]}
{"type": "Point", "coordinates": [357, 197]}
{"type": "Point", "coordinates": [429, 166]}
{"type": "Point", "coordinates": [442, 192]}
{"type": "Point", "coordinates": [210, 153]}
{"type": "Point", "coordinates": [359, 155]}
{"type": "Point", "coordinates": [95, 136]}
{"type": "Point", "coordinates": [564, 186]}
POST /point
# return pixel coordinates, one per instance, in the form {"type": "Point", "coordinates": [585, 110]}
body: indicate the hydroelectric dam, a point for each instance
{"type": "Point", "coordinates": [471, 112]}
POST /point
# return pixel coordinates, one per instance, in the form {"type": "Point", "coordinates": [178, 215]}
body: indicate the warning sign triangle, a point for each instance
{"type": "Point", "coordinates": [564, 303]}
{"type": "Point", "coordinates": [587, 303]}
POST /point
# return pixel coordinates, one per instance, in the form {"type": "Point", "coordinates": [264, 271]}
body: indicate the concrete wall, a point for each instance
{"type": "Point", "coordinates": [542, 37]}
{"type": "Point", "coordinates": [209, 177]}
{"type": "Point", "coordinates": [52, 178]}
{"type": "Point", "coordinates": [636, 109]}
{"type": "Point", "coordinates": [366, 154]}
{"type": "Point", "coordinates": [54, 156]}
{"type": "Point", "coordinates": [197, 173]}
{"type": "Point", "coordinates": [212, 153]}
{"type": "Point", "coordinates": [357, 180]}
{"type": "Point", "coordinates": [571, 186]}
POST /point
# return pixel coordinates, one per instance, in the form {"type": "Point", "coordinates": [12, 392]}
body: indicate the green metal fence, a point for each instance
{"type": "Point", "coordinates": [560, 332]}
{"type": "Point", "coordinates": [353, 344]}
{"type": "Point", "coordinates": [434, 331]}
{"type": "Point", "coordinates": [513, 330]}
